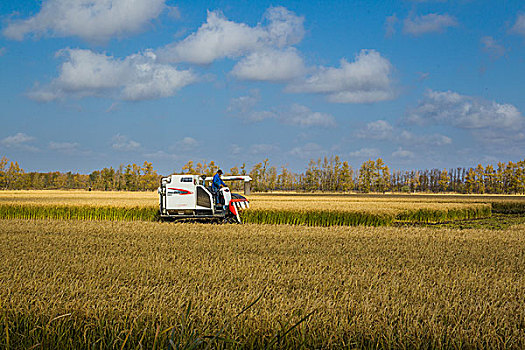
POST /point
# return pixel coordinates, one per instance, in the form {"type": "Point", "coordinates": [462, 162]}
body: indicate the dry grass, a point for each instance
{"type": "Point", "coordinates": [119, 282]}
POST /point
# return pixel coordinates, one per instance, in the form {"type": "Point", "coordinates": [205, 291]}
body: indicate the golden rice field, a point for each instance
{"type": "Point", "coordinates": [302, 209]}
{"type": "Point", "coordinates": [114, 284]}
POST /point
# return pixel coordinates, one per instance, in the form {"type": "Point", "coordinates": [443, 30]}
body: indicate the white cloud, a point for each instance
{"type": "Point", "coordinates": [519, 26]}
{"type": "Point", "coordinates": [263, 148]}
{"type": "Point", "coordinates": [3, 50]}
{"type": "Point", "coordinates": [365, 153]}
{"type": "Point", "coordinates": [466, 112]}
{"type": "Point", "coordinates": [68, 148]}
{"type": "Point", "coordinates": [390, 26]}
{"type": "Point", "coordinates": [270, 65]}
{"type": "Point", "coordinates": [302, 116]}
{"type": "Point", "coordinates": [235, 149]}
{"type": "Point", "coordinates": [19, 141]}
{"type": "Point", "coordinates": [244, 104]}
{"type": "Point", "coordinates": [220, 38]}
{"type": "Point", "coordinates": [124, 144]}
{"type": "Point", "coordinates": [308, 151]}
{"type": "Point", "coordinates": [379, 130]}
{"type": "Point", "coordinates": [64, 147]}
{"type": "Point", "coordinates": [431, 23]}
{"type": "Point", "coordinates": [366, 80]}
{"type": "Point", "coordinates": [243, 108]}
{"type": "Point", "coordinates": [161, 155]}
{"type": "Point", "coordinates": [137, 77]}
{"type": "Point", "coordinates": [298, 115]}
{"type": "Point", "coordinates": [383, 130]}
{"type": "Point", "coordinates": [409, 138]}
{"type": "Point", "coordinates": [403, 153]}
{"type": "Point", "coordinates": [92, 20]}
{"type": "Point", "coordinates": [491, 46]}
{"type": "Point", "coordinates": [187, 143]}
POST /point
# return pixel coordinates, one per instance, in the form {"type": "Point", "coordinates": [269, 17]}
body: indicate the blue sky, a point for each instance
{"type": "Point", "coordinates": [422, 84]}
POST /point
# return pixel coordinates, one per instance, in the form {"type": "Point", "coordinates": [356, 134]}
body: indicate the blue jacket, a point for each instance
{"type": "Point", "coordinates": [217, 182]}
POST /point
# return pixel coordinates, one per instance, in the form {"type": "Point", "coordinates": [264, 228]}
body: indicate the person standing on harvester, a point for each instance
{"type": "Point", "coordinates": [216, 185]}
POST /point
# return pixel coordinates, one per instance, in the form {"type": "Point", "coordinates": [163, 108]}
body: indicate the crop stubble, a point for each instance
{"type": "Point", "coordinates": [368, 287]}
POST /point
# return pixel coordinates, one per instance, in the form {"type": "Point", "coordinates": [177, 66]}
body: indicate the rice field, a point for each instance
{"type": "Point", "coordinates": [295, 209]}
{"type": "Point", "coordinates": [124, 285]}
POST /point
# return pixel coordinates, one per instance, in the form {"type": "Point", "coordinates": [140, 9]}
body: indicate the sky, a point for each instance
{"type": "Point", "coordinates": [87, 84]}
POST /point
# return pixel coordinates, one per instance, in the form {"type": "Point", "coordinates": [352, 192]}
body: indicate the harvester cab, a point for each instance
{"type": "Point", "coordinates": [188, 197]}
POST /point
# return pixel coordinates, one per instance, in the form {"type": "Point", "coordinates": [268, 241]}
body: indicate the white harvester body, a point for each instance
{"type": "Point", "coordinates": [188, 197]}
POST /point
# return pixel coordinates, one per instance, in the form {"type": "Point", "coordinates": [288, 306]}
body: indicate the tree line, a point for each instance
{"type": "Point", "coordinates": [329, 174]}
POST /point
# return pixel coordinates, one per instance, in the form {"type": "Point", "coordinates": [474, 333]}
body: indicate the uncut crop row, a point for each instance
{"type": "Point", "coordinates": [365, 218]}
{"type": "Point", "coordinates": [310, 217]}
{"type": "Point", "coordinates": [68, 212]}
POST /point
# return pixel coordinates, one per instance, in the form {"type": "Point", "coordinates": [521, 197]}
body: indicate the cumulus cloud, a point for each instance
{"type": "Point", "coordinates": [390, 25]}
{"type": "Point", "coordinates": [270, 65]}
{"type": "Point", "coordinates": [383, 130]}
{"type": "Point", "coordinates": [19, 141]}
{"type": "Point", "coordinates": [137, 77]}
{"type": "Point", "coordinates": [491, 46]}
{"type": "Point", "coordinates": [263, 148]}
{"type": "Point", "coordinates": [296, 114]}
{"type": "Point", "coordinates": [92, 20]}
{"type": "Point", "coordinates": [220, 38]}
{"type": "Point", "coordinates": [408, 138]}
{"type": "Point", "coordinates": [365, 153]}
{"type": "Point", "coordinates": [124, 144]}
{"type": "Point", "coordinates": [244, 104]}
{"type": "Point", "coordinates": [403, 153]}
{"type": "Point", "coordinates": [187, 143]}
{"type": "Point", "coordinates": [366, 80]}
{"type": "Point", "coordinates": [519, 26]}
{"type": "Point", "coordinates": [68, 148]}
{"type": "Point", "coordinates": [161, 155]}
{"type": "Point", "coordinates": [379, 130]}
{"type": "Point", "coordinates": [243, 107]}
{"type": "Point", "coordinates": [451, 108]}
{"type": "Point", "coordinates": [307, 151]}
{"type": "Point", "coordinates": [302, 116]}
{"type": "Point", "coordinates": [431, 23]}
{"type": "Point", "coordinates": [64, 147]}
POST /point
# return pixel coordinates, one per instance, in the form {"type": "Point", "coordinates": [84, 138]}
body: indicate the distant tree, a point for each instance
{"type": "Point", "coordinates": [382, 176]}
{"type": "Point", "coordinates": [489, 179]}
{"type": "Point", "coordinates": [480, 179]}
{"type": "Point", "coordinates": [470, 181]}
{"type": "Point", "coordinates": [444, 180]}
{"type": "Point", "coordinates": [367, 176]}
{"type": "Point", "coordinates": [13, 176]}
{"type": "Point", "coordinates": [3, 179]}
{"type": "Point", "coordinates": [346, 178]}
{"type": "Point", "coordinates": [188, 168]}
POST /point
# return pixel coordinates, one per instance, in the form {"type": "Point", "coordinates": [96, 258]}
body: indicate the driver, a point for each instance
{"type": "Point", "coordinates": [217, 184]}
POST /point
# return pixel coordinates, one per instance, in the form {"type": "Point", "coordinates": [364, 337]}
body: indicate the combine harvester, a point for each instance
{"type": "Point", "coordinates": [186, 197]}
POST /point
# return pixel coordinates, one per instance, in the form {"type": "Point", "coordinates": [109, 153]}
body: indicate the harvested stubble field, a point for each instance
{"type": "Point", "coordinates": [312, 210]}
{"type": "Point", "coordinates": [81, 284]}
